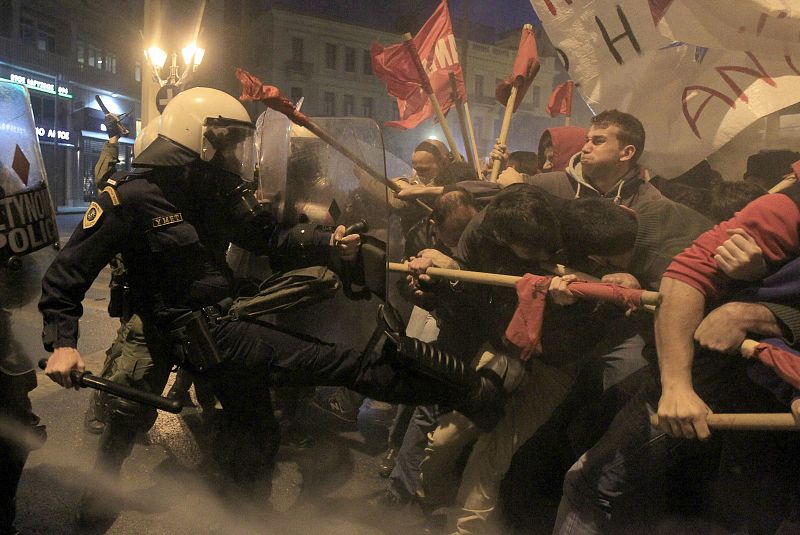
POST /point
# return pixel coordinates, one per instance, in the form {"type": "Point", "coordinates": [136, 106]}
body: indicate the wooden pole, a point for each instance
{"type": "Point", "coordinates": [473, 145]}
{"type": "Point", "coordinates": [747, 422]}
{"type": "Point", "coordinates": [462, 123]}
{"type": "Point", "coordinates": [512, 98]}
{"type": "Point", "coordinates": [426, 86]}
{"type": "Point", "coordinates": [492, 279]}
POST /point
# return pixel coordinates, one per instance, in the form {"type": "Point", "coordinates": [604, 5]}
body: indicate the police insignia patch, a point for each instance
{"type": "Point", "coordinates": [92, 215]}
{"type": "Point", "coordinates": [169, 219]}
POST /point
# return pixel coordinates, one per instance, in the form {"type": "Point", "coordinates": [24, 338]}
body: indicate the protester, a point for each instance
{"type": "Point", "coordinates": [692, 383]}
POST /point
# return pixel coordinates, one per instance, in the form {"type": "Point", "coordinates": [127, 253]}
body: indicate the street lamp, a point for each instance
{"type": "Point", "coordinates": [157, 57]}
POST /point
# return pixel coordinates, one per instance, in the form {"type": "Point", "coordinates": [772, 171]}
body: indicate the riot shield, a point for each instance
{"type": "Point", "coordinates": [306, 182]}
{"type": "Point", "coordinates": [28, 231]}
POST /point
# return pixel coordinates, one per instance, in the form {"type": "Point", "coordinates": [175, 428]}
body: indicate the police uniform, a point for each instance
{"type": "Point", "coordinates": [173, 246]}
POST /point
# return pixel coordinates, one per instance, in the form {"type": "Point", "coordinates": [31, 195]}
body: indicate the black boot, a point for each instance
{"type": "Point", "coordinates": [100, 503]}
{"type": "Point", "coordinates": [478, 394]}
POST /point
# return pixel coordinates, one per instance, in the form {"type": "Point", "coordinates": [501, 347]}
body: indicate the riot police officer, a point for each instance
{"type": "Point", "coordinates": [172, 221]}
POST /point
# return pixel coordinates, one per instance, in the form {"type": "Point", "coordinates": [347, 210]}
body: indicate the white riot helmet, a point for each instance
{"type": "Point", "coordinates": [148, 134]}
{"type": "Point", "coordinates": [206, 124]}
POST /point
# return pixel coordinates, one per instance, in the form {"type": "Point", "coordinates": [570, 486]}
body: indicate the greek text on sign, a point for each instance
{"type": "Point", "coordinates": [27, 222]}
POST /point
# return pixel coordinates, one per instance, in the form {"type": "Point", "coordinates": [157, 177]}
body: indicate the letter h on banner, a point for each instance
{"type": "Point", "coordinates": [627, 33]}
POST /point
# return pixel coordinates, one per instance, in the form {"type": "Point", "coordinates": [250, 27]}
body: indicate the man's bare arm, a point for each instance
{"type": "Point", "coordinates": [681, 411]}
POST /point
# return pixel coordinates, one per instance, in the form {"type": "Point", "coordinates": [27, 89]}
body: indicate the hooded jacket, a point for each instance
{"type": "Point", "coordinates": [566, 141]}
{"type": "Point", "coordinates": [630, 191]}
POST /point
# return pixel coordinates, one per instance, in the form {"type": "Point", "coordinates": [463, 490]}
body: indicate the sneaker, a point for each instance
{"type": "Point", "coordinates": [388, 463]}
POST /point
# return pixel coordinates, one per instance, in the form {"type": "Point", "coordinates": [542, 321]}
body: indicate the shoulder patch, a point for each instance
{"type": "Point", "coordinates": [112, 193]}
{"type": "Point", "coordinates": [92, 215]}
{"type": "Point", "coordinates": [169, 219]}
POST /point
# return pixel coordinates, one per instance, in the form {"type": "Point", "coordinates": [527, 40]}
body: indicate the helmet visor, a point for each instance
{"type": "Point", "coordinates": [229, 145]}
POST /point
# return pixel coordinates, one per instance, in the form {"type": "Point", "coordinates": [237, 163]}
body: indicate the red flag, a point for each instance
{"type": "Point", "coordinates": [785, 363]}
{"type": "Point", "coordinates": [525, 328]}
{"type": "Point", "coordinates": [253, 89]}
{"type": "Point", "coordinates": [560, 102]}
{"type": "Point", "coordinates": [526, 66]}
{"type": "Point", "coordinates": [396, 68]}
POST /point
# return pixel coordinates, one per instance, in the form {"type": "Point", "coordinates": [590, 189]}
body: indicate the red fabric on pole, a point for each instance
{"type": "Point", "coordinates": [560, 102]}
{"type": "Point", "coordinates": [395, 67]}
{"type": "Point", "coordinates": [254, 90]}
{"type": "Point", "coordinates": [525, 328]}
{"type": "Point", "coordinates": [524, 70]}
{"type": "Point", "coordinates": [785, 364]}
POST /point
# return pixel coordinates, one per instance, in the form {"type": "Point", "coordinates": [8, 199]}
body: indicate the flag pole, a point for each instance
{"type": "Point", "coordinates": [462, 123]}
{"type": "Point", "coordinates": [472, 143]}
{"type": "Point", "coordinates": [426, 86]}
{"type": "Point", "coordinates": [512, 98]}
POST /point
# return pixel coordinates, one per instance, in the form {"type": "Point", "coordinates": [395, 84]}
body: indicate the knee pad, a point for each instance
{"type": "Point", "coordinates": [128, 413]}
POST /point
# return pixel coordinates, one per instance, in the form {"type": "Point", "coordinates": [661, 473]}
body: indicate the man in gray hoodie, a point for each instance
{"type": "Point", "coordinates": [605, 167]}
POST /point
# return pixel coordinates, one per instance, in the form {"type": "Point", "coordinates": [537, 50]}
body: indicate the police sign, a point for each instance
{"type": "Point", "coordinates": [27, 222]}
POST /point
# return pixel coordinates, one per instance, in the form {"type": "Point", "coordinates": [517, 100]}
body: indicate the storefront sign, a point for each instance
{"type": "Point", "coordinates": [39, 85]}
{"type": "Point", "coordinates": [51, 133]}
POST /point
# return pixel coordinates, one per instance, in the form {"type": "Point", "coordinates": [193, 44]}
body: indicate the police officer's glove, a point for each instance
{"type": "Point", "coordinates": [114, 127]}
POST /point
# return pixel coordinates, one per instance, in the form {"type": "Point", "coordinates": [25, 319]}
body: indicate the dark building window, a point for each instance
{"type": "Point", "coordinates": [349, 59]}
{"type": "Point", "coordinates": [296, 94]}
{"type": "Point", "coordinates": [330, 56]}
{"type": "Point", "coordinates": [349, 105]}
{"type": "Point", "coordinates": [297, 49]}
{"type": "Point", "coordinates": [367, 106]}
{"type": "Point", "coordinates": [330, 104]}
{"type": "Point", "coordinates": [536, 95]}
{"type": "Point", "coordinates": [478, 85]}
{"type": "Point", "coordinates": [111, 62]}
{"type": "Point", "coordinates": [38, 34]}
{"type": "Point", "coordinates": [367, 62]}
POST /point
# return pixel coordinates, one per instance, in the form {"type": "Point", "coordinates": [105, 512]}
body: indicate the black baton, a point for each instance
{"type": "Point", "coordinates": [87, 379]}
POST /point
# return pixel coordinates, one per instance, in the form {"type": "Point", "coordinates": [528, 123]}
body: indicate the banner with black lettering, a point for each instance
{"type": "Point", "coordinates": [690, 98]}
{"type": "Point", "coordinates": [27, 222]}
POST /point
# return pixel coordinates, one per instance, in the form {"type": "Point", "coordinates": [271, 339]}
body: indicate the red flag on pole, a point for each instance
{"type": "Point", "coordinates": [394, 65]}
{"type": "Point", "coordinates": [560, 102]}
{"type": "Point", "coordinates": [254, 90]}
{"type": "Point", "coordinates": [526, 65]}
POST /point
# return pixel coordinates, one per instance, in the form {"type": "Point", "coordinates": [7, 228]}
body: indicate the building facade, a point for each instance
{"type": "Point", "coordinates": [327, 63]}
{"type": "Point", "coordinates": [66, 52]}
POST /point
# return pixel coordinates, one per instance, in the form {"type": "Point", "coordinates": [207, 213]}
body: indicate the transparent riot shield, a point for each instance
{"type": "Point", "coordinates": [28, 231]}
{"type": "Point", "coordinates": [304, 181]}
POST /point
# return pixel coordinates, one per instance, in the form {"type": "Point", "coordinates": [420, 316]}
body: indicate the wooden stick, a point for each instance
{"type": "Point", "coordinates": [462, 123]}
{"type": "Point", "coordinates": [426, 86]}
{"type": "Point", "coordinates": [512, 98]}
{"type": "Point", "coordinates": [473, 145]}
{"type": "Point", "coordinates": [747, 422]}
{"type": "Point", "coordinates": [786, 181]}
{"type": "Point", "coordinates": [491, 279]}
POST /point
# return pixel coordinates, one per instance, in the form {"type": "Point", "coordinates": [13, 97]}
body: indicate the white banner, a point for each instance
{"type": "Point", "coordinates": [691, 100]}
